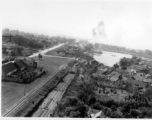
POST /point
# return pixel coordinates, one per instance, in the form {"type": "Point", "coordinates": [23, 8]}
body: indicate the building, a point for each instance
{"type": "Point", "coordinates": [8, 69]}
{"type": "Point", "coordinates": [21, 71]}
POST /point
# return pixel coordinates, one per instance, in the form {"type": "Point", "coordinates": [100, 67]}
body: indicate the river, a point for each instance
{"type": "Point", "coordinates": [110, 58]}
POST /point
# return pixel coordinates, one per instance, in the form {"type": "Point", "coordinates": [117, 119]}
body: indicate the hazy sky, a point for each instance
{"type": "Point", "coordinates": [126, 24]}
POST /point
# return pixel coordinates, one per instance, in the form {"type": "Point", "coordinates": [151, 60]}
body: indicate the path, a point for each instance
{"type": "Point", "coordinates": [46, 50]}
{"type": "Point", "coordinates": [42, 52]}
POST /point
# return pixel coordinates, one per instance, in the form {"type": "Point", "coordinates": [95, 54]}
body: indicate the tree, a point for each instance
{"type": "Point", "coordinates": [116, 66]}
{"type": "Point", "coordinates": [97, 46]}
{"type": "Point", "coordinates": [91, 100]}
{"type": "Point", "coordinates": [149, 113]}
{"type": "Point", "coordinates": [148, 52]}
{"type": "Point", "coordinates": [125, 62]}
{"type": "Point", "coordinates": [113, 108]}
{"type": "Point", "coordinates": [68, 110]}
{"type": "Point", "coordinates": [78, 54]}
{"type": "Point", "coordinates": [148, 91]}
{"type": "Point", "coordinates": [75, 114]}
{"type": "Point", "coordinates": [97, 106]}
{"type": "Point", "coordinates": [72, 101]}
{"type": "Point", "coordinates": [61, 105]}
{"type": "Point", "coordinates": [134, 113]}
{"type": "Point", "coordinates": [88, 47]}
{"type": "Point", "coordinates": [107, 112]}
{"type": "Point", "coordinates": [87, 57]}
{"type": "Point", "coordinates": [115, 114]}
{"type": "Point", "coordinates": [110, 103]}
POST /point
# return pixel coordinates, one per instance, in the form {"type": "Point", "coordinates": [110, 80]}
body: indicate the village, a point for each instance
{"type": "Point", "coordinates": [95, 90]}
{"type": "Point", "coordinates": [127, 85]}
{"type": "Point", "coordinates": [76, 59]}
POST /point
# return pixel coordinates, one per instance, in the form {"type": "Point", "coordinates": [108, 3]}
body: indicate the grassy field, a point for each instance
{"type": "Point", "coordinates": [12, 92]}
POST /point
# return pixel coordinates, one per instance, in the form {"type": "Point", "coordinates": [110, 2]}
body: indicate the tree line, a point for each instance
{"type": "Point", "coordinates": [32, 40]}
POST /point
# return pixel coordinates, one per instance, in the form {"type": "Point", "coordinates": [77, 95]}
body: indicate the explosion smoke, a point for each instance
{"type": "Point", "coordinates": [99, 32]}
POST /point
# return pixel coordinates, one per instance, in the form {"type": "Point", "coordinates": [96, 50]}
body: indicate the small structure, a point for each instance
{"type": "Point", "coordinates": [148, 80]}
{"type": "Point", "coordinates": [114, 76]}
{"type": "Point", "coordinates": [99, 75]}
{"type": "Point", "coordinates": [139, 77]}
{"type": "Point", "coordinates": [94, 113]}
{"type": "Point", "coordinates": [133, 71]}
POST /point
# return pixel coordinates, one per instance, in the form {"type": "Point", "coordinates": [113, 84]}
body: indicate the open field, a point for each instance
{"type": "Point", "coordinates": [12, 92]}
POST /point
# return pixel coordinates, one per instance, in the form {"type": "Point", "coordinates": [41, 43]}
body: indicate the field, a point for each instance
{"type": "Point", "coordinates": [12, 92]}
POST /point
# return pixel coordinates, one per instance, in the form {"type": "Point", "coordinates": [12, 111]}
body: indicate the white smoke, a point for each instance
{"type": "Point", "coordinates": [99, 33]}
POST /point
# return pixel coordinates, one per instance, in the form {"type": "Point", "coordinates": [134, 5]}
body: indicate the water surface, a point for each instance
{"type": "Point", "coordinates": [110, 58]}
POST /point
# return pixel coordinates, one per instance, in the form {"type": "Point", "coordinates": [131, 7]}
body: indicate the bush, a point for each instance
{"type": "Point", "coordinates": [116, 115]}
{"type": "Point", "coordinates": [134, 113]}
{"type": "Point", "coordinates": [75, 114]}
{"type": "Point", "coordinates": [125, 62]}
{"type": "Point", "coordinates": [68, 110]}
{"type": "Point", "coordinates": [72, 101]}
{"type": "Point", "coordinates": [97, 106]}
{"type": "Point", "coordinates": [83, 110]}
{"type": "Point", "coordinates": [61, 114]}
{"type": "Point", "coordinates": [107, 112]}
{"type": "Point", "coordinates": [91, 100]}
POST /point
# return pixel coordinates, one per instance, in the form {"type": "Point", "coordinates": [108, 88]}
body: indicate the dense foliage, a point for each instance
{"type": "Point", "coordinates": [34, 40]}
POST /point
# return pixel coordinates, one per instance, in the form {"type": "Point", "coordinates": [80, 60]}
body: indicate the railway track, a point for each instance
{"type": "Point", "coordinates": [49, 104]}
{"type": "Point", "coordinates": [19, 104]}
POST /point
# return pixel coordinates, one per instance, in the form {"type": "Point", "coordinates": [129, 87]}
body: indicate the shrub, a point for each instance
{"type": "Point", "coordinates": [125, 62]}
{"type": "Point", "coordinates": [97, 106]}
{"type": "Point", "coordinates": [68, 110]}
{"type": "Point", "coordinates": [75, 114]}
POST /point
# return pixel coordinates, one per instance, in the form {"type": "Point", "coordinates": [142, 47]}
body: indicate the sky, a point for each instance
{"type": "Point", "coordinates": [121, 23]}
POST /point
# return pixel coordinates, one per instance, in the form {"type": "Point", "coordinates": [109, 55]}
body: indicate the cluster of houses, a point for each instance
{"type": "Point", "coordinates": [111, 82]}
{"type": "Point", "coordinates": [23, 70]}
{"type": "Point", "coordinates": [11, 51]}
{"type": "Point", "coordinates": [135, 74]}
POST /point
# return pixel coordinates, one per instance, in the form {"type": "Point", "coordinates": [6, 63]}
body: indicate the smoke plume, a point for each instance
{"type": "Point", "coordinates": [99, 32]}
